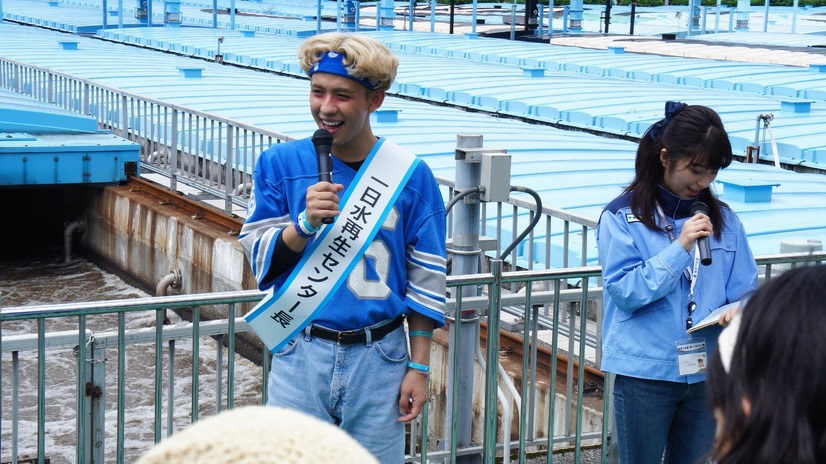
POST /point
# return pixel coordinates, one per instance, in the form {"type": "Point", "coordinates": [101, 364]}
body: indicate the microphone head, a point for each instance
{"type": "Point", "coordinates": [322, 137]}
{"type": "Point", "coordinates": [699, 207]}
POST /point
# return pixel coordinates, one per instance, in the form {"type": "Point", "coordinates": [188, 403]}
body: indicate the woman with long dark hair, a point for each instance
{"type": "Point", "coordinates": [767, 381]}
{"type": "Point", "coordinates": [655, 289]}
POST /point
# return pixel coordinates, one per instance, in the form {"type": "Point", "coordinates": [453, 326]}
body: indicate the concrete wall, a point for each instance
{"type": "Point", "coordinates": [439, 360]}
{"type": "Point", "coordinates": [145, 237]}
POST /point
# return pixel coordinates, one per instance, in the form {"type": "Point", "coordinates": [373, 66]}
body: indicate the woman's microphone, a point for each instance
{"type": "Point", "coordinates": [702, 242]}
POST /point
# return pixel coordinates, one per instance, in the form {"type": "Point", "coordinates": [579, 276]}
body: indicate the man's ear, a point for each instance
{"type": "Point", "coordinates": [376, 99]}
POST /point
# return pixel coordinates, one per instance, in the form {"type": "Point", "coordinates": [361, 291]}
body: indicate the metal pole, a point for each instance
{"type": "Point", "coordinates": [318, 18]}
{"type": "Point", "coordinates": [215, 14]}
{"type": "Point", "coordinates": [633, 16]}
{"type": "Point", "coordinates": [607, 14]}
{"type": "Point", "coordinates": [565, 10]}
{"type": "Point", "coordinates": [703, 20]}
{"type": "Point", "coordinates": [452, 8]}
{"type": "Point", "coordinates": [766, 16]}
{"type": "Point", "coordinates": [97, 402]}
{"type": "Point", "coordinates": [410, 13]}
{"type": "Point", "coordinates": [492, 349]}
{"type": "Point", "coordinates": [473, 20]}
{"type": "Point", "coordinates": [794, 15]}
{"type": "Point", "coordinates": [466, 216]}
{"type": "Point", "coordinates": [338, 15]}
{"type": "Point", "coordinates": [513, 21]}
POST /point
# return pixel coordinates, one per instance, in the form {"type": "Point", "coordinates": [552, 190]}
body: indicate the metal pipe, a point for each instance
{"type": "Point", "coordinates": [763, 118]}
{"type": "Point", "coordinates": [78, 225]}
{"type": "Point", "coordinates": [466, 222]}
{"type": "Point", "coordinates": [173, 280]}
{"type": "Point", "coordinates": [507, 409]}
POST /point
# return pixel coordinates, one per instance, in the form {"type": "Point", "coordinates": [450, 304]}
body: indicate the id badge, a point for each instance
{"type": "Point", "coordinates": [691, 356]}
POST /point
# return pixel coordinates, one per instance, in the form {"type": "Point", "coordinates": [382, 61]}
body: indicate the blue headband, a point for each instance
{"type": "Point", "coordinates": [333, 63]}
{"type": "Point", "coordinates": [671, 110]}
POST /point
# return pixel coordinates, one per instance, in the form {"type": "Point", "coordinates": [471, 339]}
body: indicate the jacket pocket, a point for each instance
{"type": "Point", "coordinates": [622, 316]}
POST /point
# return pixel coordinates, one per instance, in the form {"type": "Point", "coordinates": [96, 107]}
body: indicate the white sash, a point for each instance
{"type": "Point", "coordinates": [328, 261]}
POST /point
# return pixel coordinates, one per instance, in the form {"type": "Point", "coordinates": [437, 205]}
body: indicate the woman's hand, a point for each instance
{"type": "Point", "coordinates": [726, 317]}
{"type": "Point", "coordinates": [696, 227]}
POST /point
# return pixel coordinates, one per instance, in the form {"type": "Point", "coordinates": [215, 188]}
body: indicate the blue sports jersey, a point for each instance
{"type": "Point", "coordinates": [403, 268]}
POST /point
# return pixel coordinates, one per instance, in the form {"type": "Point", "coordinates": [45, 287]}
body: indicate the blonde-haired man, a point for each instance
{"type": "Point", "coordinates": [350, 365]}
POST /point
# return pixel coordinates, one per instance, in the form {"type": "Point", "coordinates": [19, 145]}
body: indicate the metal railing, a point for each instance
{"type": "Point", "coordinates": [216, 156]}
{"type": "Point", "coordinates": [89, 387]}
{"type": "Point", "coordinates": [562, 419]}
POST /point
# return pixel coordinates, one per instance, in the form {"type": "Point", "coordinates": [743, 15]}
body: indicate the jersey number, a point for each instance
{"type": "Point", "coordinates": [372, 288]}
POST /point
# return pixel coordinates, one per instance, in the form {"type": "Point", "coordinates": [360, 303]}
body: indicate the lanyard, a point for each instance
{"type": "Point", "coordinates": [690, 272]}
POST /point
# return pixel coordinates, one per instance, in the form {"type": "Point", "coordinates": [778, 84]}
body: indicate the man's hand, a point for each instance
{"type": "Point", "coordinates": [322, 202]}
{"type": "Point", "coordinates": [413, 396]}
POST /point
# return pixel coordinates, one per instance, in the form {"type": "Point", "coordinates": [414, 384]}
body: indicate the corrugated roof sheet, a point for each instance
{"type": "Point", "coordinates": [497, 79]}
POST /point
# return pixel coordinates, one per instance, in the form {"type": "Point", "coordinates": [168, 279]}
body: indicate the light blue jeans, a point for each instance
{"type": "Point", "coordinates": [353, 386]}
{"type": "Point", "coordinates": [659, 421]}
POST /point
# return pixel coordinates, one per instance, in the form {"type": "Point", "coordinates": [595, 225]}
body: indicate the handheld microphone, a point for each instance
{"type": "Point", "coordinates": [323, 143]}
{"type": "Point", "coordinates": [702, 243]}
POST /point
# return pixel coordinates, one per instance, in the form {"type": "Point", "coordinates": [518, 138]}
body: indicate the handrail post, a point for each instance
{"type": "Point", "coordinates": [83, 379]}
{"type": "Point", "coordinates": [492, 354]}
{"type": "Point", "coordinates": [229, 176]}
{"type": "Point", "coordinates": [173, 147]}
{"type": "Point", "coordinates": [96, 396]}
{"type": "Point", "coordinates": [86, 98]}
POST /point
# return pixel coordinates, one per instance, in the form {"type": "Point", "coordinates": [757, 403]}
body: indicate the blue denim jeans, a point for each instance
{"type": "Point", "coordinates": [659, 421]}
{"type": "Point", "coordinates": [353, 386]}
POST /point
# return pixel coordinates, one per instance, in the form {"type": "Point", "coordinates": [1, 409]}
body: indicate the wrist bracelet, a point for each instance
{"type": "Point", "coordinates": [421, 333]}
{"type": "Point", "coordinates": [300, 231]}
{"type": "Point", "coordinates": [307, 226]}
{"type": "Point", "coordinates": [425, 374]}
{"type": "Point", "coordinates": [418, 367]}
{"type": "Point", "coordinates": [303, 227]}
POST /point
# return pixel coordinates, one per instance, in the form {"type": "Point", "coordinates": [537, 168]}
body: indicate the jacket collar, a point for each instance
{"type": "Point", "coordinates": [674, 206]}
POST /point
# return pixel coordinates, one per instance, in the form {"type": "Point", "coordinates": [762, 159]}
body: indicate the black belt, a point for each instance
{"type": "Point", "coordinates": [351, 337]}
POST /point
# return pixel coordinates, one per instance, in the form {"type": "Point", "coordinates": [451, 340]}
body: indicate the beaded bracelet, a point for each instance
{"type": "Point", "coordinates": [421, 333]}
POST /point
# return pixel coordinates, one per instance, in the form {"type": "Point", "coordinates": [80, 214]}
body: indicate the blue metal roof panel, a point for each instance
{"type": "Point", "coordinates": [571, 170]}
{"type": "Point", "coordinates": [19, 113]}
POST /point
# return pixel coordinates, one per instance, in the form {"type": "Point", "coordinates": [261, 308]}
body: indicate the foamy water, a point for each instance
{"type": "Point", "coordinates": [48, 280]}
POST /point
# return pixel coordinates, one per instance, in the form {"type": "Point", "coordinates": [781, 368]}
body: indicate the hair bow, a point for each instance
{"type": "Point", "coordinates": [671, 110]}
